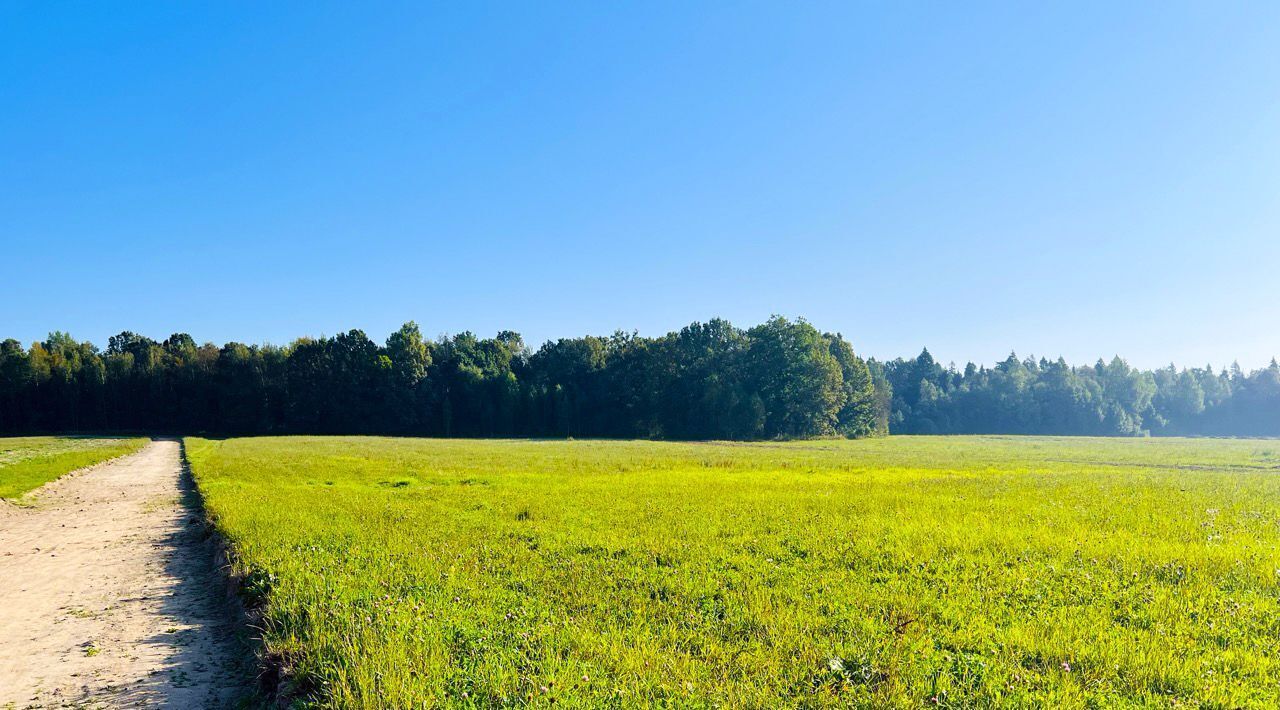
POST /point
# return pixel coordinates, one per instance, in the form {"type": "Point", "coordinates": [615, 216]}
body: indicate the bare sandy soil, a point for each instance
{"type": "Point", "coordinates": [108, 595]}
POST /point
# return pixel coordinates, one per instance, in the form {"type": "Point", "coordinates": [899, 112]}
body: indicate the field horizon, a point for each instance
{"type": "Point", "coordinates": [640, 355]}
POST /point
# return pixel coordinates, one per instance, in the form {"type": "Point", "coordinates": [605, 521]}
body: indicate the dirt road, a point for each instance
{"type": "Point", "coordinates": [108, 597]}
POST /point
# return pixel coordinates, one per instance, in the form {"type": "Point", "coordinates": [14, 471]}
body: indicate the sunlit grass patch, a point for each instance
{"type": "Point", "coordinates": [953, 571]}
{"type": "Point", "coordinates": [26, 463]}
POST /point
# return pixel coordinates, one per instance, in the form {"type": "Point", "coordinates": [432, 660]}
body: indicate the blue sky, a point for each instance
{"type": "Point", "coordinates": [1094, 179]}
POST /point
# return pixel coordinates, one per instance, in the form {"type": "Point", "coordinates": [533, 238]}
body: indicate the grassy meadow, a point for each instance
{"type": "Point", "coordinates": [941, 571]}
{"type": "Point", "coordinates": [26, 463]}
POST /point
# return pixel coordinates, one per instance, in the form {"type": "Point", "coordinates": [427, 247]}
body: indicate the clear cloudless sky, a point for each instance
{"type": "Point", "coordinates": [1080, 180]}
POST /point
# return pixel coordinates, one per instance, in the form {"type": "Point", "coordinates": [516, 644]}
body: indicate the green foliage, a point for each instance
{"type": "Point", "coordinates": [859, 416]}
{"type": "Point", "coordinates": [29, 462]}
{"type": "Point", "coordinates": [781, 379]}
{"type": "Point", "coordinates": [885, 572]}
{"type": "Point", "coordinates": [1050, 397]}
{"type": "Point", "coordinates": [797, 378]}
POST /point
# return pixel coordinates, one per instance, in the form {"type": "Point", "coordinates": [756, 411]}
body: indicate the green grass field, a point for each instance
{"type": "Point", "coordinates": [944, 571]}
{"type": "Point", "coordinates": [26, 463]}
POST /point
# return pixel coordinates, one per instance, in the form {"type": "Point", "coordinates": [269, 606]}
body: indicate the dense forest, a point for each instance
{"type": "Point", "coordinates": [710, 380]}
{"type": "Point", "coordinates": [1108, 398]}
{"type": "Point", "coordinates": [780, 379]}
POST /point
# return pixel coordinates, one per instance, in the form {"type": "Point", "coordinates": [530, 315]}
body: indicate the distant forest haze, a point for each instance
{"type": "Point", "coordinates": [781, 379]}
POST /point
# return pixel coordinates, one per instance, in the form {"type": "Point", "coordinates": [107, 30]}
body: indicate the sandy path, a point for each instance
{"type": "Point", "coordinates": [108, 597]}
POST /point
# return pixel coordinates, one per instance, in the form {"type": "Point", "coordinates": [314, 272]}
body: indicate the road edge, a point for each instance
{"type": "Point", "coordinates": [262, 682]}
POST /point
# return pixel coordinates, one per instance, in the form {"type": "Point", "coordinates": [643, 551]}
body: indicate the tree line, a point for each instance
{"type": "Point", "coordinates": [711, 380]}
{"type": "Point", "coordinates": [1031, 396]}
{"type": "Point", "coordinates": [781, 379]}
